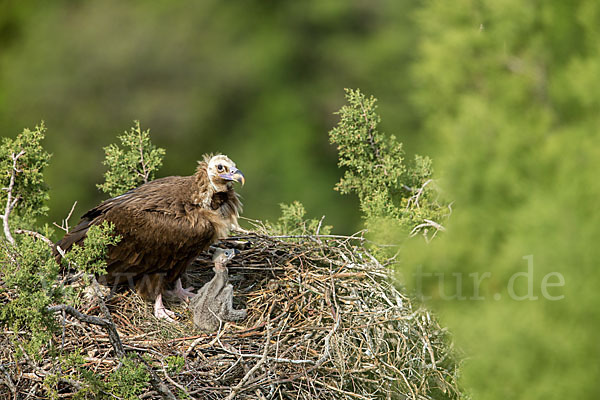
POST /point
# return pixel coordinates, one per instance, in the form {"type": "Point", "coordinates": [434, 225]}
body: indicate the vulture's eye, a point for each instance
{"type": "Point", "coordinates": [220, 168]}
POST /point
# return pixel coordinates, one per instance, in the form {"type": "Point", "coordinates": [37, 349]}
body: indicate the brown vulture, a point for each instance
{"type": "Point", "coordinates": [164, 225]}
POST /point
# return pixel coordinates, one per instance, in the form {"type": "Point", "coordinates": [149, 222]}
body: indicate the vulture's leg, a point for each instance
{"type": "Point", "coordinates": [180, 292]}
{"type": "Point", "coordinates": [235, 227]}
{"type": "Point", "coordinates": [161, 312]}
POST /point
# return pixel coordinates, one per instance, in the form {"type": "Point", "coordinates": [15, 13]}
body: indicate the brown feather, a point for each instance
{"type": "Point", "coordinates": [164, 225]}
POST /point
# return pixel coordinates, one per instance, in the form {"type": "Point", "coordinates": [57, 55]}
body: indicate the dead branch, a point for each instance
{"type": "Point", "coordinates": [36, 235]}
{"type": "Point", "coordinates": [110, 328]}
{"type": "Point", "coordinates": [10, 201]}
{"type": "Point", "coordinates": [65, 222]}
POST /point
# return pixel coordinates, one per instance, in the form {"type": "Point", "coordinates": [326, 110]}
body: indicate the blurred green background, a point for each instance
{"type": "Point", "coordinates": [504, 95]}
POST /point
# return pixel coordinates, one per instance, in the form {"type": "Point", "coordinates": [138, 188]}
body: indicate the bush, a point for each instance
{"type": "Point", "coordinates": [392, 194]}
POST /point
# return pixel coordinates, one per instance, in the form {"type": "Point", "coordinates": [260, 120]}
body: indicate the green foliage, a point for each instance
{"type": "Point", "coordinates": [292, 222]}
{"type": "Point", "coordinates": [175, 364]}
{"type": "Point", "coordinates": [130, 380]}
{"type": "Point", "coordinates": [134, 163]}
{"type": "Point", "coordinates": [71, 367]}
{"type": "Point", "coordinates": [29, 274]}
{"type": "Point", "coordinates": [388, 190]}
{"type": "Point", "coordinates": [126, 382]}
{"type": "Point", "coordinates": [30, 192]}
{"type": "Point", "coordinates": [91, 257]}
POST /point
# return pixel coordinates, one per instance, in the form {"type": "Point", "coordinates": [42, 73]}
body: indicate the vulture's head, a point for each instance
{"type": "Point", "coordinates": [221, 257]}
{"type": "Point", "coordinates": [222, 172]}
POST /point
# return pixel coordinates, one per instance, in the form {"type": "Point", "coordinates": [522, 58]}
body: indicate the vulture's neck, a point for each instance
{"type": "Point", "coordinates": [203, 191]}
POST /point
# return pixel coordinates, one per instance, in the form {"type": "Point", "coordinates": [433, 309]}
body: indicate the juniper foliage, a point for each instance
{"type": "Point", "coordinates": [91, 257]}
{"type": "Point", "coordinates": [29, 273]}
{"type": "Point", "coordinates": [22, 164]}
{"type": "Point", "coordinates": [293, 222]}
{"type": "Point", "coordinates": [132, 164]}
{"type": "Point", "coordinates": [376, 171]}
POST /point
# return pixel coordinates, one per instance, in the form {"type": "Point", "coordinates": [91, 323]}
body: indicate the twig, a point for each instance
{"type": "Point", "coordinates": [337, 316]}
{"type": "Point", "coordinates": [319, 226]}
{"type": "Point", "coordinates": [36, 235]}
{"type": "Point", "coordinates": [300, 237]}
{"type": "Point", "coordinates": [145, 173]}
{"type": "Point", "coordinates": [427, 223]}
{"type": "Point", "coordinates": [415, 198]}
{"type": "Point", "coordinates": [172, 382]}
{"type": "Point", "coordinates": [65, 222]}
{"type": "Point", "coordinates": [111, 330]}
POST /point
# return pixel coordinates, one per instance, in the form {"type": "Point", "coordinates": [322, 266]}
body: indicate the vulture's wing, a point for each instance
{"type": "Point", "coordinates": [160, 231]}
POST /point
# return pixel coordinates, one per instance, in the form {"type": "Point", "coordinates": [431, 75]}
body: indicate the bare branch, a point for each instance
{"type": "Point", "coordinates": [36, 235]}
{"type": "Point", "coordinates": [145, 172]}
{"type": "Point", "coordinates": [10, 201]}
{"type": "Point", "coordinates": [65, 222]}
{"type": "Point", "coordinates": [8, 381]}
{"type": "Point", "coordinates": [156, 383]}
{"type": "Point", "coordinates": [111, 330]}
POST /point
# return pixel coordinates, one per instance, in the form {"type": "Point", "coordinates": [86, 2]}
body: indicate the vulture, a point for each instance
{"type": "Point", "coordinates": [164, 225]}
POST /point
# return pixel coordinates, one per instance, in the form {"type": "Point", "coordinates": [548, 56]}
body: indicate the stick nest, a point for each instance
{"type": "Point", "coordinates": [325, 321]}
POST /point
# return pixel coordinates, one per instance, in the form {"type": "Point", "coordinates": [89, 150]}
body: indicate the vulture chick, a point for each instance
{"type": "Point", "coordinates": [164, 225]}
{"type": "Point", "coordinates": [213, 303]}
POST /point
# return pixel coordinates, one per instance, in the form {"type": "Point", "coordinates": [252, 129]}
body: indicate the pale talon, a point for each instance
{"type": "Point", "coordinates": [161, 312]}
{"type": "Point", "coordinates": [165, 315]}
{"type": "Point", "coordinates": [180, 292]}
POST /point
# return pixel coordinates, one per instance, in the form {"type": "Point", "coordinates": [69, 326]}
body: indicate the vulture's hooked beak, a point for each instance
{"type": "Point", "coordinates": [234, 175]}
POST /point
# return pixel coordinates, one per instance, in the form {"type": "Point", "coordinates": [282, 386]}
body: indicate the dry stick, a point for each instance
{"type": "Point", "coordinates": [36, 235]}
{"type": "Point", "coordinates": [326, 352]}
{"type": "Point", "coordinates": [65, 222]}
{"type": "Point", "coordinates": [337, 315]}
{"type": "Point", "coordinates": [113, 336]}
{"type": "Point", "coordinates": [106, 313]}
{"type": "Point", "coordinates": [145, 173]}
{"type": "Point", "coordinates": [10, 202]}
{"type": "Point", "coordinates": [177, 385]}
{"type": "Point", "coordinates": [298, 237]}
{"type": "Point", "coordinates": [256, 366]}
{"type": "Point", "coordinates": [107, 323]}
